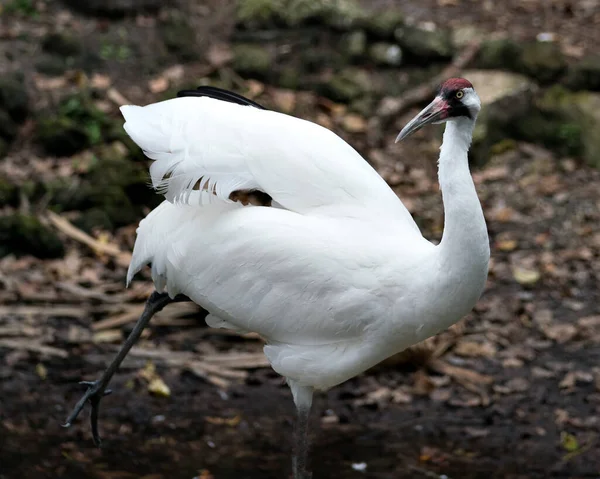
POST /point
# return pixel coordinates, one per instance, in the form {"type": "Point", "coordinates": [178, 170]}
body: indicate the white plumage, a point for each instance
{"type": "Point", "coordinates": [336, 276]}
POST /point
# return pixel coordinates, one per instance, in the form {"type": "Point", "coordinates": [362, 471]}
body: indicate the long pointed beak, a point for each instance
{"type": "Point", "coordinates": [436, 111]}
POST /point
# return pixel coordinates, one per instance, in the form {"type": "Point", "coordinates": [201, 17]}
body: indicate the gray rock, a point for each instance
{"type": "Point", "coordinates": [387, 54]}
{"type": "Point", "coordinates": [505, 98]}
{"type": "Point", "coordinates": [501, 53]}
{"type": "Point", "coordinates": [13, 96]}
{"type": "Point", "coordinates": [543, 61]}
{"type": "Point", "coordinates": [424, 45]}
{"type": "Point", "coordinates": [585, 74]}
{"type": "Point", "coordinates": [355, 44]}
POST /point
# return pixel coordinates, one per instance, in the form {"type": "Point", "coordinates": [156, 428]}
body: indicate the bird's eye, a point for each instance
{"type": "Point", "coordinates": [459, 94]}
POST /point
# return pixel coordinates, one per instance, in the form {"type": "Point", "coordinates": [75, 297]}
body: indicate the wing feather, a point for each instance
{"type": "Point", "coordinates": [201, 142]}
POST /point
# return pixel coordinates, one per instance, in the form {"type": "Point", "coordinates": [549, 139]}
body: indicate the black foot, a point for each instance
{"type": "Point", "coordinates": [95, 392]}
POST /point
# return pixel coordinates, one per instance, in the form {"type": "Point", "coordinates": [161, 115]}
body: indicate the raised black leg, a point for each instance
{"type": "Point", "coordinates": [97, 389]}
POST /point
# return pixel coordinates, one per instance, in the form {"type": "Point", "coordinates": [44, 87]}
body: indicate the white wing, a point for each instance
{"type": "Point", "coordinates": [226, 147]}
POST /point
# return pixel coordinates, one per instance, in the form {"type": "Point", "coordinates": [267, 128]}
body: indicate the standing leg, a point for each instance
{"type": "Point", "coordinates": [97, 389]}
{"type": "Point", "coordinates": [303, 398]}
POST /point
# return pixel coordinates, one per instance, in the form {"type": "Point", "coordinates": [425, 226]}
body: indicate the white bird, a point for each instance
{"type": "Point", "coordinates": [335, 275]}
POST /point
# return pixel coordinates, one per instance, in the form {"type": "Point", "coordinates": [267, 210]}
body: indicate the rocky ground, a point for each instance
{"type": "Point", "coordinates": [513, 391]}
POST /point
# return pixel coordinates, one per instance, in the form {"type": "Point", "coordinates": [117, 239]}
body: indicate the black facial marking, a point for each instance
{"type": "Point", "coordinates": [456, 107]}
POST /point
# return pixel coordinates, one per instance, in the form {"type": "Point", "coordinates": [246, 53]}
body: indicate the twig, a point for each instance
{"type": "Point", "coordinates": [53, 312]}
{"type": "Point", "coordinates": [82, 292]}
{"type": "Point", "coordinates": [392, 107]}
{"type": "Point", "coordinates": [119, 320]}
{"type": "Point", "coordinates": [19, 330]}
{"type": "Point", "coordinates": [65, 226]}
{"type": "Point", "coordinates": [27, 345]}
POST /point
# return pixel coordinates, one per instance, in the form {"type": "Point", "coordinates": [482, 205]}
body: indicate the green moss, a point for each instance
{"type": "Point", "coordinates": [26, 235]}
{"type": "Point", "coordinates": [383, 23]}
{"type": "Point", "coordinates": [503, 146]}
{"type": "Point", "coordinates": [252, 60]}
{"type": "Point", "coordinates": [258, 13]}
{"type": "Point", "coordinates": [22, 7]}
{"type": "Point", "coordinates": [75, 125]}
{"type": "Point", "coordinates": [114, 185]}
{"type": "Point", "coordinates": [347, 85]}
{"type": "Point", "coordinates": [354, 44]}
{"type": "Point", "coordinates": [339, 14]}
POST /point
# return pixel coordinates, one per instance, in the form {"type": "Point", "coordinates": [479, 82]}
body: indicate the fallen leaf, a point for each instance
{"type": "Point", "coordinates": [473, 349]}
{"type": "Point", "coordinates": [507, 245]}
{"type": "Point", "coordinates": [41, 371]}
{"type": "Point", "coordinates": [568, 442]}
{"type": "Point", "coordinates": [561, 333]}
{"type": "Point", "coordinates": [354, 123]}
{"type": "Point", "coordinates": [224, 421]}
{"type": "Point", "coordinates": [158, 387]}
{"type": "Point", "coordinates": [158, 85]}
{"type": "Point", "coordinates": [219, 55]}
{"type": "Point", "coordinates": [100, 81]}
{"type": "Point", "coordinates": [285, 100]}
{"type": "Point", "coordinates": [525, 277]}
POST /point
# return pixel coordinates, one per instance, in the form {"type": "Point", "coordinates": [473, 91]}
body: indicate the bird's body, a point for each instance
{"type": "Point", "coordinates": [336, 278]}
{"type": "Point", "coordinates": [335, 274]}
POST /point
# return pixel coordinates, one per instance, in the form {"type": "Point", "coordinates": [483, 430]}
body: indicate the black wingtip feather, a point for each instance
{"type": "Point", "coordinates": [220, 94]}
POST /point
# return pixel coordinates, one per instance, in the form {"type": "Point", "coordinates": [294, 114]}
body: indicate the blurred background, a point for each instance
{"type": "Point", "coordinates": [512, 391]}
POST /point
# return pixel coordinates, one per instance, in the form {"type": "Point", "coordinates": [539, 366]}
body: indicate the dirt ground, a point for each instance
{"type": "Point", "coordinates": [511, 392]}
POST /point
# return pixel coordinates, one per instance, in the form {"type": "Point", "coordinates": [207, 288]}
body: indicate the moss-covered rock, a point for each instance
{"type": "Point", "coordinates": [8, 127]}
{"type": "Point", "coordinates": [180, 38]}
{"type": "Point", "coordinates": [339, 14]}
{"type": "Point", "coordinates": [111, 193]}
{"type": "Point", "coordinates": [424, 45]}
{"type": "Point", "coordinates": [354, 44]}
{"type": "Point", "coordinates": [543, 61]}
{"type": "Point", "coordinates": [383, 23]}
{"type": "Point", "coordinates": [505, 98]}
{"type": "Point", "coordinates": [387, 54]}
{"type": "Point", "coordinates": [499, 54]}
{"type": "Point", "coordinates": [52, 65]}
{"type": "Point", "coordinates": [75, 125]}
{"type": "Point", "coordinates": [63, 44]}
{"type": "Point", "coordinates": [585, 74]}
{"type": "Point", "coordinates": [346, 85]}
{"type": "Point", "coordinates": [115, 8]}
{"type": "Point", "coordinates": [252, 60]}
{"type": "Point", "coordinates": [13, 96]}
{"type": "Point", "coordinates": [565, 122]}
{"type": "Point", "coordinates": [9, 193]}
{"type": "Point", "coordinates": [26, 235]}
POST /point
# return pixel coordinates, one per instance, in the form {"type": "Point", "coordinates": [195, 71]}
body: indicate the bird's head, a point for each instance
{"type": "Point", "coordinates": [456, 99]}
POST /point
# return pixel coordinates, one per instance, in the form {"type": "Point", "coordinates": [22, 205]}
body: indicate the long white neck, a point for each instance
{"type": "Point", "coordinates": [465, 241]}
